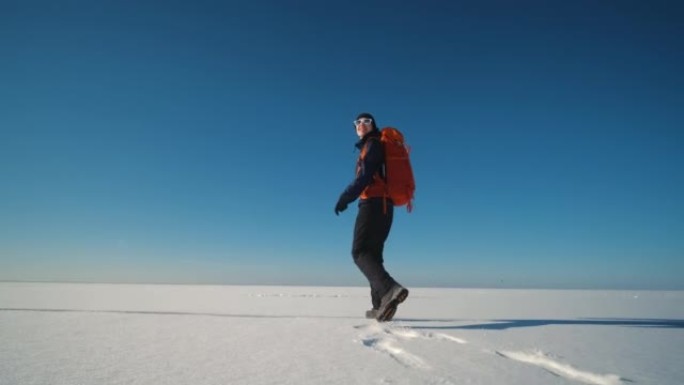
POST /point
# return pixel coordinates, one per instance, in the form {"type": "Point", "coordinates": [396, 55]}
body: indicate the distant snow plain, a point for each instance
{"type": "Point", "coordinates": [52, 333]}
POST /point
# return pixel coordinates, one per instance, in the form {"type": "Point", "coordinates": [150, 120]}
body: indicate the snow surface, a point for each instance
{"type": "Point", "coordinates": [166, 334]}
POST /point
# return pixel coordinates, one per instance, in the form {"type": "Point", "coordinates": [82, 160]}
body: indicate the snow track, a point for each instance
{"type": "Point", "coordinates": [388, 338]}
{"type": "Point", "coordinates": [562, 369]}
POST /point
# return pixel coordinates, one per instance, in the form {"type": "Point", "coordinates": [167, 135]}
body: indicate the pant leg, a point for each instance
{"type": "Point", "coordinates": [371, 230]}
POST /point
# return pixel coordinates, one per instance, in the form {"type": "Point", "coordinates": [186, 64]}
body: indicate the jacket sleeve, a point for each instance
{"type": "Point", "coordinates": [370, 165]}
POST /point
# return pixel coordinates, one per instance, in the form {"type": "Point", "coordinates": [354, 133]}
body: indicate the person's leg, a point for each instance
{"type": "Point", "coordinates": [370, 232]}
{"type": "Point", "coordinates": [395, 294]}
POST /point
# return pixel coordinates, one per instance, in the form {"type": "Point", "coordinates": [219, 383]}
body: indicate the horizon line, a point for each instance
{"type": "Point", "coordinates": [340, 285]}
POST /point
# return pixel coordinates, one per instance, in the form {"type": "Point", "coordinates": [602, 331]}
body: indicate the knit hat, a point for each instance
{"type": "Point", "coordinates": [369, 116]}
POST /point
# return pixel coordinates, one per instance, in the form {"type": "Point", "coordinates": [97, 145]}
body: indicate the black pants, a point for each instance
{"type": "Point", "coordinates": [372, 227]}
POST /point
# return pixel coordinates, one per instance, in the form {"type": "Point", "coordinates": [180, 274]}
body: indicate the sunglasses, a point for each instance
{"type": "Point", "coordinates": [366, 121]}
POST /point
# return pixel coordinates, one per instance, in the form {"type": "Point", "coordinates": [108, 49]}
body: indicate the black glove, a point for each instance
{"type": "Point", "coordinates": [340, 206]}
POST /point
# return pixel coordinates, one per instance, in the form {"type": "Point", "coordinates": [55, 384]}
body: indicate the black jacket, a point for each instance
{"type": "Point", "coordinates": [371, 164]}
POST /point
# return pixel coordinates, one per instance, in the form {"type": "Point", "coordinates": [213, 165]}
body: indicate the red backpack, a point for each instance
{"type": "Point", "coordinates": [398, 172]}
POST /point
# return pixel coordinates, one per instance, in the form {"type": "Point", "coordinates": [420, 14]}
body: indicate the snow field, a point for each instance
{"type": "Point", "coordinates": [143, 334]}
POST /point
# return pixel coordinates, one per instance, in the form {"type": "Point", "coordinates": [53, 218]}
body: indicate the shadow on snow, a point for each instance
{"type": "Point", "coordinates": [526, 323]}
{"type": "Point", "coordinates": [484, 325]}
{"type": "Point", "coordinates": [176, 313]}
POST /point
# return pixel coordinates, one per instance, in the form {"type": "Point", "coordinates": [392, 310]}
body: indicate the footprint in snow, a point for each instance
{"type": "Point", "coordinates": [385, 339]}
{"type": "Point", "coordinates": [376, 337]}
{"type": "Point", "coordinates": [561, 369]}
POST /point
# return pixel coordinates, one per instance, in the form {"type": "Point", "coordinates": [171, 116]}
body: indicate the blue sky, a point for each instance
{"type": "Point", "coordinates": [207, 142]}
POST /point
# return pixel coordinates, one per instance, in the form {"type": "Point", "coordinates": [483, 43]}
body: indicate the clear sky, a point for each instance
{"type": "Point", "coordinates": [208, 141]}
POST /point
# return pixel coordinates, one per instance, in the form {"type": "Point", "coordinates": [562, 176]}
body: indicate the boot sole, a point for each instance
{"type": "Point", "coordinates": [388, 314]}
{"type": "Point", "coordinates": [391, 308]}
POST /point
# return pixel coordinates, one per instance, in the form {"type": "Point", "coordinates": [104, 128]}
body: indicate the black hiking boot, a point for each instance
{"type": "Point", "coordinates": [396, 295]}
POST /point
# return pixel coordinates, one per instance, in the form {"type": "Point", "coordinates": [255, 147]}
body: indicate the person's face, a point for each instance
{"type": "Point", "coordinates": [363, 126]}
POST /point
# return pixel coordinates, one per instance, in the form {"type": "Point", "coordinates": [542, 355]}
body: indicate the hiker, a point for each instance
{"type": "Point", "coordinates": [373, 221]}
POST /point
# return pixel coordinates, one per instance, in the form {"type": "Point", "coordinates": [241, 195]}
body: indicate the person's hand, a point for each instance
{"type": "Point", "coordinates": [339, 207]}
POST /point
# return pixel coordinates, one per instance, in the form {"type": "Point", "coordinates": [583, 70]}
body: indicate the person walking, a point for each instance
{"type": "Point", "coordinates": [373, 220]}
